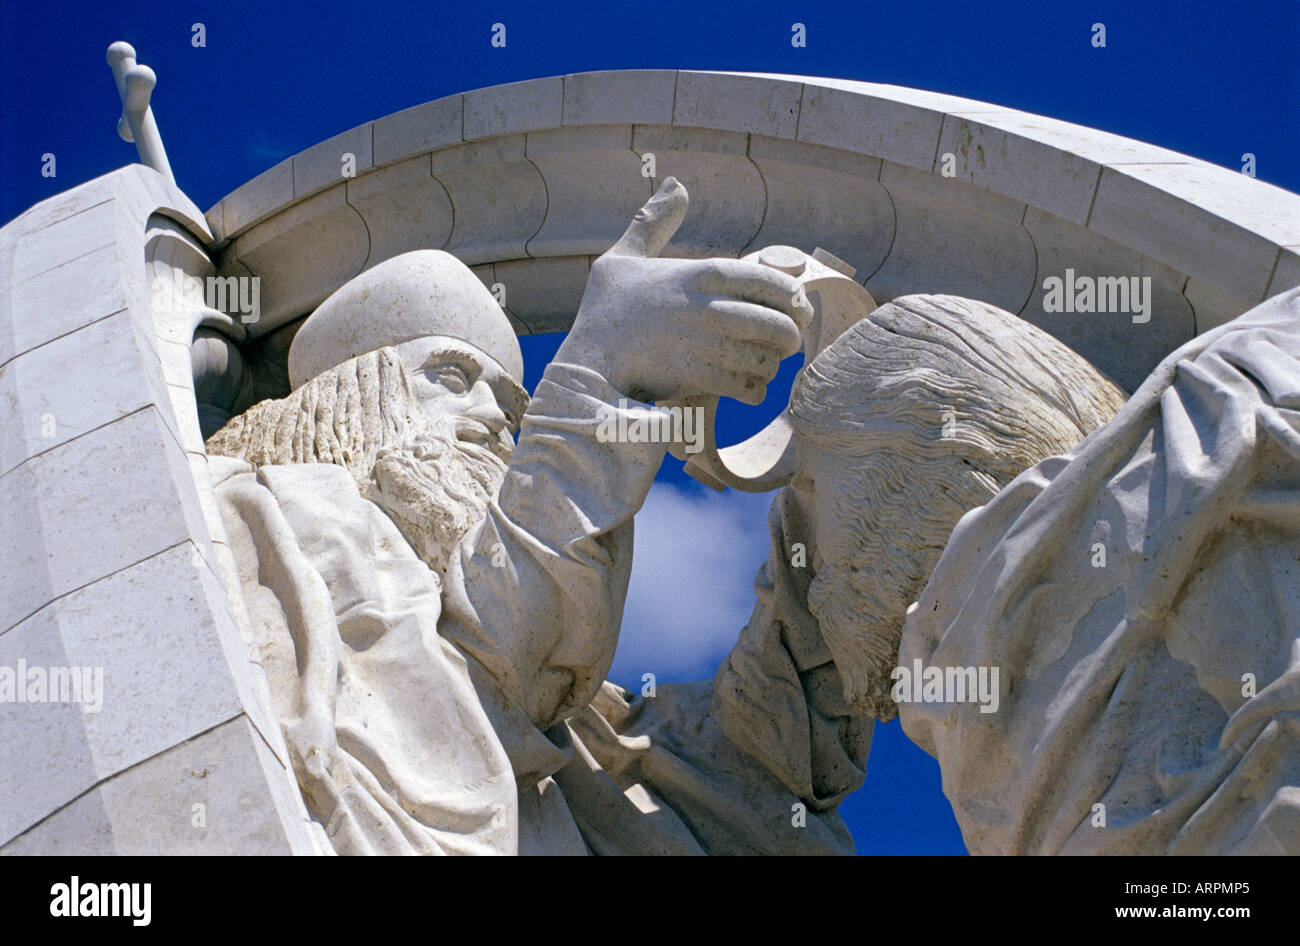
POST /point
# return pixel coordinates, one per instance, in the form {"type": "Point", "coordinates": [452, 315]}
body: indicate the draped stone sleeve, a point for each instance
{"type": "Point", "coordinates": [778, 695]}
{"type": "Point", "coordinates": [391, 749]}
{"type": "Point", "coordinates": [1140, 598]}
{"type": "Point", "coordinates": [535, 592]}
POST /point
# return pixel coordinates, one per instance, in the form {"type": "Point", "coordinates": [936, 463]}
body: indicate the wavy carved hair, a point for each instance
{"type": "Point", "coordinates": [346, 416]}
{"type": "Point", "coordinates": [931, 406]}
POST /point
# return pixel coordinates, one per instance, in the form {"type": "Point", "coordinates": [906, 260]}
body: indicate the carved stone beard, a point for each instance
{"type": "Point", "coordinates": [435, 487]}
{"type": "Point", "coordinates": [862, 634]}
{"type": "Point", "coordinates": [363, 416]}
{"type": "Point", "coordinates": [894, 518]}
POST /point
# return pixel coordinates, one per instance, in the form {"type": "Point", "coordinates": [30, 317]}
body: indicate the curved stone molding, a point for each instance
{"type": "Point", "coordinates": [498, 198]}
{"type": "Point", "coordinates": [727, 193]}
{"type": "Point", "coordinates": [834, 194]}
{"type": "Point", "coordinates": [547, 170]}
{"type": "Point", "coordinates": [301, 255]}
{"type": "Point", "coordinates": [987, 254]}
{"type": "Point", "coordinates": [404, 208]}
{"type": "Point", "coordinates": [593, 180]}
{"type": "Point", "coordinates": [1061, 244]}
{"type": "Point", "coordinates": [543, 294]}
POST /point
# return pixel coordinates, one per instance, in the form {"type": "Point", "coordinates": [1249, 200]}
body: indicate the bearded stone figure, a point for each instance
{"type": "Point", "coordinates": [431, 472]}
{"type": "Point", "coordinates": [343, 537]}
{"type": "Point", "coordinates": [436, 607]}
{"type": "Point", "coordinates": [923, 411]}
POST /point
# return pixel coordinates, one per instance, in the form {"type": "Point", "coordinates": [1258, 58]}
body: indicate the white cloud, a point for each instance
{"type": "Point", "coordinates": [692, 587]}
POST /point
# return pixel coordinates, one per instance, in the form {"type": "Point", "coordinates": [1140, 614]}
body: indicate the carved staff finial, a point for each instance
{"type": "Point", "coordinates": [135, 84]}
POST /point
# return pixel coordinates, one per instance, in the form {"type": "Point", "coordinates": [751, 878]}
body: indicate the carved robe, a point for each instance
{"type": "Point", "coordinates": [1141, 597]}
{"type": "Point", "coordinates": [472, 716]}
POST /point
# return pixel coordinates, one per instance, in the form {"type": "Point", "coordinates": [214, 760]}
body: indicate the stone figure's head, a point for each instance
{"type": "Point", "coordinates": [914, 416]}
{"type": "Point", "coordinates": [409, 376]}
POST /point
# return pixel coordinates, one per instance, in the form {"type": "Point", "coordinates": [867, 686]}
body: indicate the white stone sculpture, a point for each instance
{"type": "Point", "coordinates": [423, 686]}
{"type": "Point", "coordinates": [1140, 596]}
{"type": "Point", "coordinates": [527, 183]}
{"type": "Point", "coordinates": [907, 421]}
{"type": "Point", "coordinates": [436, 611]}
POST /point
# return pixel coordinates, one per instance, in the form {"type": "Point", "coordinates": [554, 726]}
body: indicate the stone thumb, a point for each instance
{"type": "Point", "coordinates": [655, 223]}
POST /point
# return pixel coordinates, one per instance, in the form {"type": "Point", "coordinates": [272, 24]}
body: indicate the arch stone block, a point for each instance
{"type": "Point", "coordinates": [1062, 245]}
{"type": "Point", "coordinates": [726, 188]}
{"type": "Point", "coordinates": [498, 197]}
{"type": "Point", "coordinates": [543, 293]}
{"type": "Point", "coordinates": [404, 208]}
{"type": "Point", "coordinates": [990, 256]}
{"type": "Point", "coordinates": [303, 255]}
{"type": "Point", "coordinates": [540, 170]}
{"type": "Point", "coordinates": [593, 180]}
{"type": "Point", "coordinates": [831, 193]}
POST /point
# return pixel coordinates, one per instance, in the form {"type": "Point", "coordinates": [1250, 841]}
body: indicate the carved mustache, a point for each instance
{"type": "Point", "coordinates": [472, 432]}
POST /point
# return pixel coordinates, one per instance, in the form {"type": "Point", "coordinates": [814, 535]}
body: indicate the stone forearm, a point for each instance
{"type": "Point", "coordinates": [536, 590]}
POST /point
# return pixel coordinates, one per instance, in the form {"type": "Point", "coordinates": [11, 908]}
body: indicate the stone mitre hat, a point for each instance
{"type": "Point", "coordinates": [416, 294]}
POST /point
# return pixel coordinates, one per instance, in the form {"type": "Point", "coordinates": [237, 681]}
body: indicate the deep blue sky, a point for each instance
{"type": "Point", "coordinates": [1210, 80]}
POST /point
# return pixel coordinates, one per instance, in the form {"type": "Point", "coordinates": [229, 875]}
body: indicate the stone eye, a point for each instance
{"type": "Point", "coordinates": [450, 377]}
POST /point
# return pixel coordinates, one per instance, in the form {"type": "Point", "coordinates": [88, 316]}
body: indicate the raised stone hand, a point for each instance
{"type": "Point", "coordinates": [668, 328]}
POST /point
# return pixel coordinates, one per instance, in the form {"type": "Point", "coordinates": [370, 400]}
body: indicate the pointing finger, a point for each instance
{"type": "Point", "coordinates": [655, 223]}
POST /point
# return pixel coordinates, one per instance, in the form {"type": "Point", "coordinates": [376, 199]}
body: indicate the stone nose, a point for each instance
{"type": "Point", "coordinates": [482, 407]}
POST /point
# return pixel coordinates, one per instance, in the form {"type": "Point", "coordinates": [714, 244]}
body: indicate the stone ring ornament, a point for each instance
{"type": "Point", "coordinates": [766, 461]}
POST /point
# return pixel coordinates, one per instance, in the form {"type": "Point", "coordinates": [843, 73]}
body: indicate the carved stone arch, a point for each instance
{"type": "Point", "coordinates": [527, 182]}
